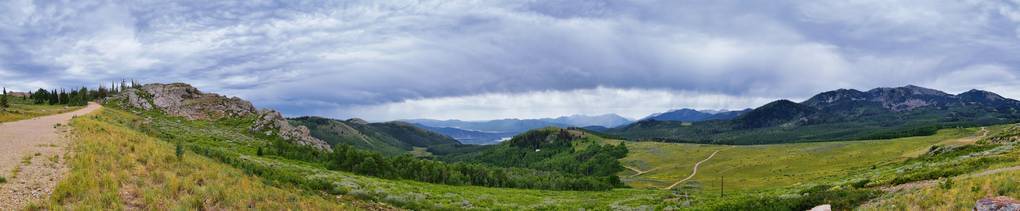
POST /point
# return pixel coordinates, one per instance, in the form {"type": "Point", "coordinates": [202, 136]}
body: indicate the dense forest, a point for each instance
{"type": "Point", "coordinates": [346, 158]}
{"type": "Point", "coordinates": [73, 97]}
{"type": "Point", "coordinates": [571, 151]}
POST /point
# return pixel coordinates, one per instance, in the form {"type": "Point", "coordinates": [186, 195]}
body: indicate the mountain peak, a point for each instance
{"type": "Point", "coordinates": [975, 96]}
{"type": "Point", "coordinates": [357, 121]}
{"type": "Point", "coordinates": [778, 112]}
{"type": "Point", "coordinates": [909, 90]}
{"type": "Point", "coordinates": [692, 115]}
{"type": "Point", "coordinates": [834, 97]}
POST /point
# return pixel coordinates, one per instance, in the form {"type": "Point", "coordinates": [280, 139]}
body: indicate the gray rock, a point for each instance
{"type": "Point", "coordinates": [270, 121]}
{"type": "Point", "coordinates": [1000, 203]}
{"type": "Point", "coordinates": [183, 100]}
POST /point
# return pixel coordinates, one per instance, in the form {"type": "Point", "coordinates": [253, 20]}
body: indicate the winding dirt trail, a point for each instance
{"type": "Point", "coordinates": [639, 172]}
{"type": "Point", "coordinates": [694, 172]}
{"type": "Point", "coordinates": [32, 157]}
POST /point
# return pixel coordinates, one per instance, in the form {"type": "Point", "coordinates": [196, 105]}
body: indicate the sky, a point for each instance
{"type": "Point", "coordinates": [476, 60]}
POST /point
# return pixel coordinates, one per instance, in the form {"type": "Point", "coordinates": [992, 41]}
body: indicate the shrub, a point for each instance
{"type": "Point", "coordinates": [179, 150]}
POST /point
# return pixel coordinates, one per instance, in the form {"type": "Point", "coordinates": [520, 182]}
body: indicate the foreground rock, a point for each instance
{"type": "Point", "coordinates": [1000, 203]}
{"type": "Point", "coordinates": [183, 100]}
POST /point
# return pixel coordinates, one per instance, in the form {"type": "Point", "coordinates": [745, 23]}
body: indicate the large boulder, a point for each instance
{"type": "Point", "coordinates": [183, 100]}
{"type": "Point", "coordinates": [270, 122]}
{"type": "Point", "coordinates": [1000, 203]}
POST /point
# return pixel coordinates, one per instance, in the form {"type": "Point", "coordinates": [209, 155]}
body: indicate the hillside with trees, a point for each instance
{"type": "Point", "coordinates": [838, 115]}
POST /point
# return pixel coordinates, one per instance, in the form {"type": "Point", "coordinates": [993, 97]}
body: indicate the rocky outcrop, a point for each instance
{"type": "Point", "coordinates": [270, 122]}
{"type": "Point", "coordinates": [183, 100]}
{"type": "Point", "coordinates": [1000, 203]}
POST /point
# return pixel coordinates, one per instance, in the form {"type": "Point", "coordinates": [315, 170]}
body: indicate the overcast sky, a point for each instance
{"type": "Point", "coordinates": [385, 60]}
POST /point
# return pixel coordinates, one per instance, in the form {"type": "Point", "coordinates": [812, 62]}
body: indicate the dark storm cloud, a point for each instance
{"type": "Point", "coordinates": [379, 58]}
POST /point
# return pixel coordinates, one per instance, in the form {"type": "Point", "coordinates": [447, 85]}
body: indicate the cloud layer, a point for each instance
{"type": "Point", "coordinates": [500, 59]}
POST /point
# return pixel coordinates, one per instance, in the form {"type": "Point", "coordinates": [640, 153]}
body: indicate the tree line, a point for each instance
{"type": "Point", "coordinates": [4, 104]}
{"type": "Point", "coordinates": [551, 150]}
{"type": "Point", "coordinates": [364, 162]}
{"type": "Point", "coordinates": [78, 97]}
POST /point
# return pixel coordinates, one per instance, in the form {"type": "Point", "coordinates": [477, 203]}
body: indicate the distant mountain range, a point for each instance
{"type": "Point", "coordinates": [390, 138]}
{"type": "Point", "coordinates": [491, 131]}
{"type": "Point", "coordinates": [470, 136]}
{"type": "Point", "coordinates": [691, 115]}
{"type": "Point", "coordinates": [844, 114]}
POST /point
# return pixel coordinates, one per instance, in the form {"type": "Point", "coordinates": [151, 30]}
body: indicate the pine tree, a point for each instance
{"type": "Point", "coordinates": [3, 100]}
{"type": "Point", "coordinates": [179, 151]}
{"type": "Point", "coordinates": [54, 98]}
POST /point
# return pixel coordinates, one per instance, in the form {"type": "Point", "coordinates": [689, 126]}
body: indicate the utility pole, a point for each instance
{"type": "Point", "coordinates": [722, 185]}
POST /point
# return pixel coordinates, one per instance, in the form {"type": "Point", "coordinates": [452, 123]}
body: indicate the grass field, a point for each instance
{"type": "Point", "coordinates": [953, 194]}
{"type": "Point", "coordinates": [21, 110]}
{"type": "Point", "coordinates": [114, 167]}
{"type": "Point", "coordinates": [241, 147]}
{"type": "Point", "coordinates": [159, 179]}
{"type": "Point", "coordinates": [761, 168]}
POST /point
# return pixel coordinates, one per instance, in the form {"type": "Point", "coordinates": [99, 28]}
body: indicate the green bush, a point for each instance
{"type": "Point", "coordinates": [841, 199]}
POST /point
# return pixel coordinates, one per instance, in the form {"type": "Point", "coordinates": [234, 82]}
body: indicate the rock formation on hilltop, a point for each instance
{"type": "Point", "coordinates": [270, 122]}
{"type": "Point", "coordinates": [183, 100]}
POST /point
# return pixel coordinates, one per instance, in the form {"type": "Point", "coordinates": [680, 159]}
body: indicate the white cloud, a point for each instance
{"type": "Point", "coordinates": [389, 59]}
{"type": "Point", "coordinates": [989, 77]}
{"type": "Point", "coordinates": [631, 103]}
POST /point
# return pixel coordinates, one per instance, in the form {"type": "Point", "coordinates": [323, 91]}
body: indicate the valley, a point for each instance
{"type": "Point", "coordinates": [569, 105]}
{"type": "Point", "coordinates": [355, 164]}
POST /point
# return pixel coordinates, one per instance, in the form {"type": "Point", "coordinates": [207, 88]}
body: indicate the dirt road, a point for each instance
{"type": "Point", "coordinates": [638, 172]}
{"type": "Point", "coordinates": [32, 157]}
{"type": "Point", "coordinates": [695, 172]}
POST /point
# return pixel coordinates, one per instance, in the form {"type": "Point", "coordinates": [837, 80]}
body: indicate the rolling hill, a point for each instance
{"type": "Point", "coordinates": [492, 131]}
{"type": "Point", "coordinates": [844, 114]}
{"type": "Point", "coordinates": [391, 138]}
{"type": "Point", "coordinates": [541, 169]}
{"type": "Point", "coordinates": [691, 115]}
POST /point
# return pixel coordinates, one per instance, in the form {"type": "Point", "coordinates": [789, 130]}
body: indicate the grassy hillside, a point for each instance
{"type": "Point", "coordinates": [881, 113]}
{"type": "Point", "coordinates": [552, 149]}
{"type": "Point", "coordinates": [20, 110]}
{"type": "Point", "coordinates": [918, 122]}
{"type": "Point", "coordinates": [958, 193]}
{"type": "Point", "coordinates": [787, 176]}
{"type": "Point", "coordinates": [961, 191]}
{"type": "Point", "coordinates": [225, 142]}
{"type": "Point", "coordinates": [147, 174]}
{"type": "Point", "coordinates": [757, 174]}
{"type": "Point", "coordinates": [390, 138]}
{"type": "Point", "coordinates": [761, 167]}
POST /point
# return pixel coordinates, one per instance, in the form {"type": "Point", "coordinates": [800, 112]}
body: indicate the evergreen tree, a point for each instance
{"type": "Point", "coordinates": [3, 100]}
{"type": "Point", "coordinates": [179, 151]}
{"type": "Point", "coordinates": [40, 96]}
{"type": "Point", "coordinates": [54, 98]}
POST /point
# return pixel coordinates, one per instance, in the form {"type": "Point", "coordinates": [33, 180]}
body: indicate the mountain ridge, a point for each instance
{"type": "Point", "coordinates": [842, 114]}
{"type": "Point", "coordinates": [491, 131]}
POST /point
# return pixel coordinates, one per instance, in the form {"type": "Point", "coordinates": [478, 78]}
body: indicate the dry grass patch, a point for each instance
{"type": "Point", "coordinates": [27, 111]}
{"type": "Point", "coordinates": [113, 167]}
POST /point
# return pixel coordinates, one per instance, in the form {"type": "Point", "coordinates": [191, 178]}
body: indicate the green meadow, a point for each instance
{"type": "Point", "coordinates": [746, 169]}
{"type": "Point", "coordinates": [747, 172]}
